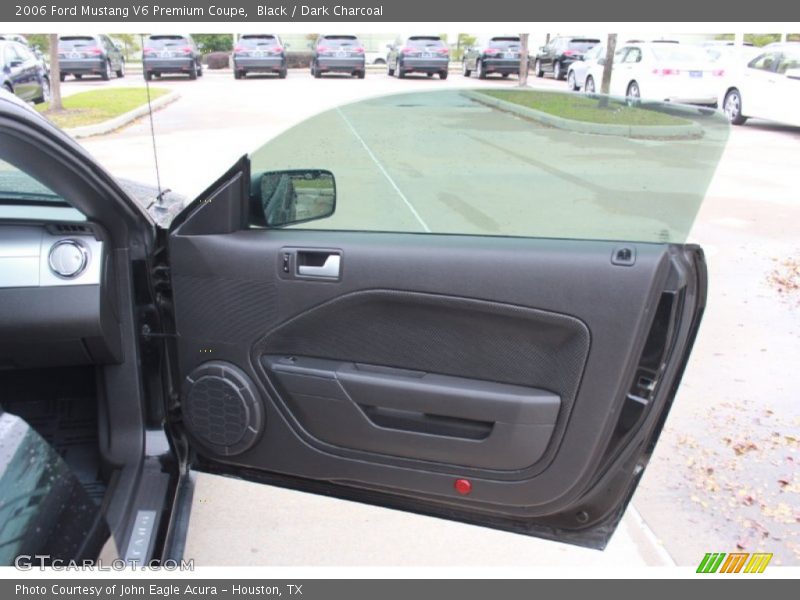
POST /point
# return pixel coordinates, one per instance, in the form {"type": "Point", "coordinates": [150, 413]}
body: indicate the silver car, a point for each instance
{"type": "Point", "coordinates": [419, 54]}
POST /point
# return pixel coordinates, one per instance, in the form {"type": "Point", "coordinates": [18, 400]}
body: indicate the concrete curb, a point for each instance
{"type": "Point", "coordinates": [122, 120]}
{"type": "Point", "coordinates": [692, 130]}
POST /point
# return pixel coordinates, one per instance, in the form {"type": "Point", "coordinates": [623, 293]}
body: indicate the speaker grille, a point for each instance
{"type": "Point", "coordinates": [221, 408]}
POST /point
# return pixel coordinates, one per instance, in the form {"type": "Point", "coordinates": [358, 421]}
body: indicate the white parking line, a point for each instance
{"type": "Point", "coordinates": [385, 174]}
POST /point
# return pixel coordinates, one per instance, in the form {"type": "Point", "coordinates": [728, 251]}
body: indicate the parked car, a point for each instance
{"type": "Point", "coordinates": [22, 74]}
{"type": "Point", "coordinates": [662, 72]}
{"type": "Point", "coordinates": [171, 53]}
{"type": "Point", "coordinates": [374, 57]}
{"type": "Point", "coordinates": [579, 69]}
{"type": "Point", "coordinates": [560, 53]}
{"type": "Point", "coordinates": [419, 54]}
{"type": "Point", "coordinates": [338, 54]}
{"type": "Point", "coordinates": [499, 55]}
{"type": "Point", "coordinates": [259, 53]}
{"type": "Point", "coordinates": [768, 87]}
{"type": "Point", "coordinates": [80, 55]}
{"type": "Point", "coordinates": [14, 37]}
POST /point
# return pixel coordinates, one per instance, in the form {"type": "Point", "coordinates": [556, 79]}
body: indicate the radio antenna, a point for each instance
{"type": "Point", "coordinates": [161, 192]}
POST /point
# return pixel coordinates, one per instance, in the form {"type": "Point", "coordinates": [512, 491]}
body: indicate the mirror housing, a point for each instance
{"type": "Point", "coordinates": [793, 73]}
{"type": "Point", "coordinates": [601, 60]}
{"type": "Point", "coordinates": [281, 198]}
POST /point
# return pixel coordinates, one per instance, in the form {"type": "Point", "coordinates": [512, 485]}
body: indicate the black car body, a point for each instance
{"type": "Point", "coordinates": [171, 53]}
{"type": "Point", "coordinates": [22, 74]}
{"type": "Point", "coordinates": [259, 53]}
{"type": "Point", "coordinates": [338, 54]}
{"type": "Point", "coordinates": [560, 53]}
{"type": "Point", "coordinates": [80, 55]}
{"type": "Point", "coordinates": [500, 54]}
{"type": "Point", "coordinates": [427, 54]}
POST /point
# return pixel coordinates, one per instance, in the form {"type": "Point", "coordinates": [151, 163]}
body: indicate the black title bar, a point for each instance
{"type": "Point", "coordinates": [473, 11]}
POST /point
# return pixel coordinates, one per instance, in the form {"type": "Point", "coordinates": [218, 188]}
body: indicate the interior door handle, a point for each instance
{"type": "Point", "coordinates": [331, 267]}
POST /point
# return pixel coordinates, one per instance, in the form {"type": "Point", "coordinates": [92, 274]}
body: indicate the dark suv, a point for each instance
{"type": "Point", "coordinates": [560, 53]}
{"type": "Point", "coordinates": [22, 74]}
{"type": "Point", "coordinates": [420, 54]}
{"type": "Point", "coordinates": [80, 55]}
{"type": "Point", "coordinates": [171, 54]}
{"type": "Point", "coordinates": [259, 53]}
{"type": "Point", "coordinates": [338, 54]}
{"type": "Point", "coordinates": [500, 54]}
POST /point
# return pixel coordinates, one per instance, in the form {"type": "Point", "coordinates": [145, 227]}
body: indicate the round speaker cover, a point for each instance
{"type": "Point", "coordinates": [221, 408]}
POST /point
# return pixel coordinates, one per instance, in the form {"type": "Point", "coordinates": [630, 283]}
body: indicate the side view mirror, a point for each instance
{"type": "Point", "coordinates": [282, 198]}
{"type": "Point", "coordinates": [601, 61]}
{"type": "Point", "coordinates": [14, 63]}
{"type": "Point", "coordinates": [792, 73]}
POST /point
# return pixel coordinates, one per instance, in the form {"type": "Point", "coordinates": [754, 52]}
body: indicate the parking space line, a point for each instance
{"type": "Point", "coordinates": [385, 173]}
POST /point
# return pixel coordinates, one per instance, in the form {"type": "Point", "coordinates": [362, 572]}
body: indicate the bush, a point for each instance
{"type": "Point", "coordinates": [298, 60]}
{"type": "Point", "coordinates": [218, 60]}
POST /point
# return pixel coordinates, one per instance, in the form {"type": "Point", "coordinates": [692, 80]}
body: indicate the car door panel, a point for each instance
{"type": "Point", "coordinates": [530, 367]}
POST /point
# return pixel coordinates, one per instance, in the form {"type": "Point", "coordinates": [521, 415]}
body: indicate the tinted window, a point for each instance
{"type": "Point", "coordinates": [581, 45]}
{"type": "Point", "coordinates": [424, 42]}
{"type": "Point", "coordinates": [18, 187]}
{"type": "Point", "coordinates": [504, 43]}
{"type": "Point", "coordinates": [166, 41]}
{"type": "Point", "coordinates": [397, 168]}
{"type": "Point", "coordinates": [765, 62]}
{"type": "Point", "coordinates": [634, 55]}
{"type": "Point", "coordinates": [341, 40]}
{"type": "Point", "coordinates": [77, 42]}
{"type": "Point", "coordinates": [253, 41]}
{"type": "Point", "coordinates": [788, 61]}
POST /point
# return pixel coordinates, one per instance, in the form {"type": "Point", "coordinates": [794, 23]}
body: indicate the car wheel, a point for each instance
{"type": "Point", "coordinates": [193, 72]}
{"type": "Point", "coordinates": [464, 70]}
{"type": "Point", "coordinates": [106, 74]}
{"type": "Point", "coordinates": [537, 68]}
{"type": "Point", "coordinates": [148, 75]}
{"type": "Point", "coordinates": [588, 87]}
{"type": "Point", "coordinates": [558, 71]}
{"type": "Point", "coordinates": [571, 83]}
{"type": "Point", "coordinates": [633, 94]}
{"type": "Point", "coordinates": [389, 70]}
{"type": "Point", "coordinates": [282, 73]}
{"type": "Point", "coordinates": [481, 70]}
{"type": "Point", "coordinates": [315, 71]}
{"type": "Point", "coordinates": [78, 76]}
{"type": "Point", "coordinates": [45, 95]}
{"type": "Point", "coordinates": [200, 70]}
{"type": "Point", "coordinates": [121, 71]}
{"type": "Point", "coordinates": [62, 76]}
{"type": "Point", "coordinates": [732, 105]}
{"type": "Point", "coordinates": [505, 75]}
{"type": "Point", "coordinates": [362, 73]}
{"type": "Point", "coordinates": [237, 74]}
{"type": "Point", "coordinates": [401, 74]}
{"type": "Point", "coordinates": [442, 74]}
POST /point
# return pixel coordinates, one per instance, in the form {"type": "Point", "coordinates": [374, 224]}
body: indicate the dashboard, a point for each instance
{"type": "Point", "coordinates": [57, 300]}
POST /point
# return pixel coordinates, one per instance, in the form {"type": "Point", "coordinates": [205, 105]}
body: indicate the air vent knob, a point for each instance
{"type": "Point", "coordinates": [68, 258]}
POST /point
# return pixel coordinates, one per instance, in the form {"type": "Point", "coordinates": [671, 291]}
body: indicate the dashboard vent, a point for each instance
{"type": "Point", "coordinates": [72, 228]}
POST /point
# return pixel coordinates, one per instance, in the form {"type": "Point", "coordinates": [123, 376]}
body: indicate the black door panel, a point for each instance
{"type": "Point", "coordinates": [566, 320]}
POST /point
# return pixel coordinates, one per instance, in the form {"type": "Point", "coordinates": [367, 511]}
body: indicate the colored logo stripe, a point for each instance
{"type": "Point", "coordinates": [735, 561]}
{"type": "Point", "coordinates": [758, 562]}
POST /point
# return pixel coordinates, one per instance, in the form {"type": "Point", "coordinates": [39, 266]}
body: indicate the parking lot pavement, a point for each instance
{"type": "Point", "coordinates": [724, 474]}
{"type": "Point", "coordinates": [288, 528]}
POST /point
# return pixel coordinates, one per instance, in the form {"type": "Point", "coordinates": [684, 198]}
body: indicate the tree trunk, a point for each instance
{"type": "Point", "coordinates": [605, 86]}
{"type": "Point", "coordinates": [523, 59]}
{"type": "Point", "coordinates": [55, 75]}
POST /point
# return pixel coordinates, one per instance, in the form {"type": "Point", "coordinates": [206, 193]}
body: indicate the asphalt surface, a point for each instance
{"type": "Point", "coordinates": [724, 476]}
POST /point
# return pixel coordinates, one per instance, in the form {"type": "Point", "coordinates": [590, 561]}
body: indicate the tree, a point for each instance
{"type": "Point", "coordinates": [605, 86]}
{"type": "Point", "coordinates": [523, 59]}
{"type": "Point", "coordinates": [214, 42]}
{"type": "Point", "coordinates": [55, 74]}
{"type": "Point", "coordinates": [129, 42]}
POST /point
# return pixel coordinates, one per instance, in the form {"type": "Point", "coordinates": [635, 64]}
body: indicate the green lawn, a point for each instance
{"type": "Point", "coordinates": [583, 108]}
{"type": "Point", "coordinates": [95, 106]}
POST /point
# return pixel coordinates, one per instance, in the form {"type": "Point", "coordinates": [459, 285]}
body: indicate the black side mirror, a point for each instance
{"type": "Point", "coordinates": [281, 198]}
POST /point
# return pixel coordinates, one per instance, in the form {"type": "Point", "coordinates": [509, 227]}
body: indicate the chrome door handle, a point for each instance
{"type": "Point", "coordinates": [331, 268]}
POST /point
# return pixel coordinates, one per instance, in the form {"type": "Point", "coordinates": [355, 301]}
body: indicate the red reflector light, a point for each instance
{"type": "Point", "coordinates": [569, 52]}
{"type": "Point", "coordinates": [463, 486]}
{"type": "Point", "coordinates": [239, 49]}
{"type": "Point", "coordinates": [359, 50]}
{"type": "Point", "coordinates": [277, 49]}
{"type": "Point", "coordinates": [186, 50]}
{"type": "Point", "coordinates": [408, 50]}
{"type": "Point", "coordinates": [443, 51]}
{"type": "Point", "coordinates": [323, 49]}
{"type": "Point", "coordinates": [95, 51]}
{"type": "Point", "coordinates": [491, 51]}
